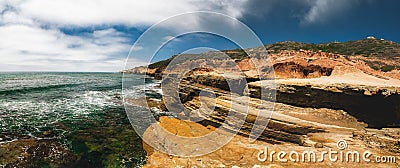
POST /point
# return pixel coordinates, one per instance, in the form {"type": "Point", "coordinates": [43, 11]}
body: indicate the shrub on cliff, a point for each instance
{"type": "Point", "coordinates": [387, 68]}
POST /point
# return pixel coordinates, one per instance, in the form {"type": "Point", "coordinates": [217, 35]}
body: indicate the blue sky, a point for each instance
{"type": "Point", "coordinates": [96, 35]}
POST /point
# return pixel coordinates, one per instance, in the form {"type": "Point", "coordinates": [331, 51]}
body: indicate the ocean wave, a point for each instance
{"type": "Point", "coordinates": [35, 89]}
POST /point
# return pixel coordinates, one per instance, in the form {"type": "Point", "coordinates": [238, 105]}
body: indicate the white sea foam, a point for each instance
{"type": "Point", "coordinates": [34, 110]}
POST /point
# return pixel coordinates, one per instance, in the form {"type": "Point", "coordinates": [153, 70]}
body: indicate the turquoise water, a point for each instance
{"type": "Point", "coordinates": [68, 107]}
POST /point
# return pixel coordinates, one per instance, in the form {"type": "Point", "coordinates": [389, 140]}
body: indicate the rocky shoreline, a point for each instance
{"type": "Point", "coordinates": [341, 100]}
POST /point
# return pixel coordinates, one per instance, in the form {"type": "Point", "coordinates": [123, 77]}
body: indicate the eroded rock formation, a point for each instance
{"type": "Point", "coordinates": [315, 100]}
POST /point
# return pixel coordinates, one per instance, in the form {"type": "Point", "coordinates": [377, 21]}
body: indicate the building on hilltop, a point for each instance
{"type": "Point", "coordinates": [371, 37]}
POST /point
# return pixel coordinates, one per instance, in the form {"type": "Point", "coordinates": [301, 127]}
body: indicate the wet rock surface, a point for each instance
{"type": "Point", "coordinates": [31, 152]}
{"type": "Point", "coordinates": [110, 143]}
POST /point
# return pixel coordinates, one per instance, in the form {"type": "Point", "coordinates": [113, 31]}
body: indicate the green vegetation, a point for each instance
{"type": "Point", "coordinates": [236, 53]}
{"type": "Point", "coordinates": [365, 47]}
{"type": "Point", "coordinates": [387, 68]}
{"type": "Point", "coordinates": [375, 68]}
{"type": "Point", "coordinates": [158, 64]}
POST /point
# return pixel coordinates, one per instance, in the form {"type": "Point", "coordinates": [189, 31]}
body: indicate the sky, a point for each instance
{"type": "Point", "coordinates": [97, 35]}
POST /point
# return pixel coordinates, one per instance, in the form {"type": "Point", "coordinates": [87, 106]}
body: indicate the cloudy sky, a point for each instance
{"type": "Point", "coordinates": [96, 35]}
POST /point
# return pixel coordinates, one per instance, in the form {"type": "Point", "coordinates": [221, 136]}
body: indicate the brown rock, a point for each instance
{"type": "Point", "coordinates": [319, 145]}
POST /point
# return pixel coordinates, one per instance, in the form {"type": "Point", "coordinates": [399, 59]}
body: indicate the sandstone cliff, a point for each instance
{"type": "Point", "coordinates": [315, 99]}
{"type": "Point", "coordinates": [309, 114]}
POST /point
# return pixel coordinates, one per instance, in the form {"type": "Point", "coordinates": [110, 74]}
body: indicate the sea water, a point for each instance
{"type": "Point", "coordinates": [84, 111]}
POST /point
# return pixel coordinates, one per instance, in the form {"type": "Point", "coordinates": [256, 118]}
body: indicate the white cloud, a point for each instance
{"type": "Point", "coordinates": [137, 48]}
{"type": "Point", "coordinates": [322, 10]}
{"type": "Point", "coordinates": [168, 38]}
{"type": "Point", "coordinates": [31, 38]}
{"type": "Point", "coordinates": [52, 50]}
{"type": "Point", "coordinates": [128, 12]}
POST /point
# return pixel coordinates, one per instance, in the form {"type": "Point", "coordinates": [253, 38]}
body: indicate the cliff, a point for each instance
{"type": "Point", "coordinates": [309, 114]}
{"type": "Point", "coordinates": [315, 99]}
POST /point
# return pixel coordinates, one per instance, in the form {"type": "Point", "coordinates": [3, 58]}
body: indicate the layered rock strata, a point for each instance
{"type": "Point", "coordinates": [316, 100]}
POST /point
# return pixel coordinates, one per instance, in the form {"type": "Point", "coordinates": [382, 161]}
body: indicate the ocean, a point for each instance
{"type": "Point", "coordinates": [83, 111]}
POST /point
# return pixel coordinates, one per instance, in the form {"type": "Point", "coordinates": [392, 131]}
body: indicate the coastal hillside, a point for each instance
{"type": "Point", "coordinates": [379, 54]}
